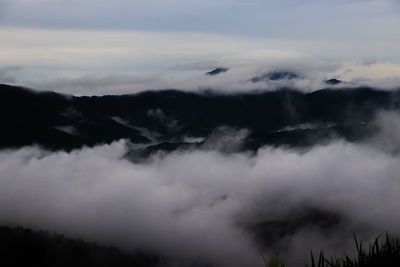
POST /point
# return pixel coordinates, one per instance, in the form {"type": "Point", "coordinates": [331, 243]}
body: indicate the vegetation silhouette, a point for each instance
{"type": "Point", "coordinates": [378, 254]}
{"type": "Point", "coordinates": [24, 247]}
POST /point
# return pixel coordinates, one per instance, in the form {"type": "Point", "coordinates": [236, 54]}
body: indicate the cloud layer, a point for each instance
{"type": "Point", "coordinates": [239, 78]}
{"type": "Point", "coordinates": [195, 206]}
{"type": "Point", "coordinates": [337, 20]}
{"type": "Point", "coordinates": [7, 74]}
{"type": "Point", "coordinates": [93, 62]}
{"type": "Point", "coordinates": [73, 43]}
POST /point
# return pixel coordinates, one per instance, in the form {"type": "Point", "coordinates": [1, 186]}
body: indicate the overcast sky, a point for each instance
{"type": "Point", "coordinates": [53, 39]}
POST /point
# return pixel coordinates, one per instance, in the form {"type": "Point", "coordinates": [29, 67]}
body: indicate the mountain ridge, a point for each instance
{"type": "Point", "coordinates": [282, 117]}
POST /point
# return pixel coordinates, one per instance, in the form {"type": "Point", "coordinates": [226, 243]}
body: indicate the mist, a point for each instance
{"type": "Point", "coordinates": [311, 74]}
{"type": "Point", "coordinates": [198, 206]}
{"type": "Point", "coordinates": [7, 74]}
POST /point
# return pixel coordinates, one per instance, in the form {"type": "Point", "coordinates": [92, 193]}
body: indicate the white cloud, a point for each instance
{"type": "Point", "coordinates": [69, 39]}
{"type": "Point", "coordinates": [7, 74]}
{"type": "Point", "coordinates": [51, 53]}
{"type": "Point", "coordinates": [99, 62]}
{"type": "Point", "coordinates": [191, 205]}
{"type": "Point", "coordinates": [371, 70]}
{"type": "Point", "coordinates": [237, 79]}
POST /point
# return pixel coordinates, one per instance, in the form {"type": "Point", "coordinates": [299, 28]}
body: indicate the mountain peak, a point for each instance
{"type": "Point", "coordinates": [333, 81]}
{"type": "Point", "coordinates": [217, 71]}
{"type": "Point", "coordinates": [275, 76]}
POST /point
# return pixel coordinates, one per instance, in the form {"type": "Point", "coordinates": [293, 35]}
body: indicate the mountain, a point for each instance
{"type": "Point", "coordinates": [333, 81]}
{"type": "Point", "coordinates": [217, 71]}
{"type": "Point", "coordinates": [23, 247]}
{"type": "Point", "coordinates": [275, 76]}
{"type": "Point", "coordinates": [170, 119]}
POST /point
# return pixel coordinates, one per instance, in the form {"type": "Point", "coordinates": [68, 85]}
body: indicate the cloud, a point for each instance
{"type": "Point", "coordinates": [387, 138]}
{"type": "Point", "coordinates": [238, 80]}
{"type": "Point", "coordinates": [115, 201]}
{"type": "Point", "coordinates": [376, 74]}
{"type": "Point", "coordinates": [7, 74]}
{"type": "Point", "coordinates": [311, 76]}
{"type": "Point", "coordinates": [66, 40]}
{"type": "Point", "coordinates": [337, 20]}
{"type": "Point", "coordinates": [368, 69]}
{"type": "Point", "coordinates": [50, 54]}
{"type": "Point", "coordinates": [109, 62]}
{"type": "Point", "coordinates": [99, 84]}
{"type": "Point", "coordinates": [196, 205]}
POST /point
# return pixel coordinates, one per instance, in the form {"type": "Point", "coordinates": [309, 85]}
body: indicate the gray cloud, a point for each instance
{"type": "Point", "coordinates": [337, 20]}
{"type": "Point", "coordinates": [99, 84]}
{"type": "Point", "coordinates": [98, 62]}
{"type": "Point", "coordinates": [133, 206]}
{"type": "Point", "coordinates": [193, 205]}
{"type": "Point", "coordinates": [62, 40]}
{"type": "Point", "coordinates": [237, 79]}
{"type": "Point", "coordinates": [387, 139]}
{"type": "Point", "coordinates": [312, 76]}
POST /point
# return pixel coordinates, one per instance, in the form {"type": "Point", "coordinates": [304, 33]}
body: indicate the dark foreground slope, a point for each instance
{"type": "Point", "coordinates": [165, 119]}
{"type": "Point", "coordinates": [24, 247]}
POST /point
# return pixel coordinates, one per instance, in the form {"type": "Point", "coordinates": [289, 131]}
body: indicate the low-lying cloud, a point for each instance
{"type": "Point", "coordinates": [7, 74]}
{"type": "Point", "coordinates": [308, 76]}
{"type": "Point", "coordinates": [107, 62]}
{"type": "Point", "coordinates": [196, 206]}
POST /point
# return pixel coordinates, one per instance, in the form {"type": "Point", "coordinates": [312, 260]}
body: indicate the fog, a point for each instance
{"type": "Point", "coordinates": [7, 74]}
{"type": "Point", "coordinates": [312, 76]}
{"type": "Point", "coordinates": [189, 74]}
{"type": "Point", "coordinates": [198, 206]}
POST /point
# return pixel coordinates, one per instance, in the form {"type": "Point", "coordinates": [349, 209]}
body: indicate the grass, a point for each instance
{"type": "Point", "coordinates": [384, 253]}
{"type": "Point", "coordinates": [24, 247]}
{"type": "Point", "coordinates": [381, 253]}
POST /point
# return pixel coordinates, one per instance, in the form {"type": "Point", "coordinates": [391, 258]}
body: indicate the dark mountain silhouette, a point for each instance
{"type": "Point", "coordinates": [25, 247]}
{"type": "Point", "coordinates": [275, 234]}
{"type": "Point", "coordinates": [333, 81]}
{"type": "Point", "coordinates": [217, 71]}
{"type": "Point", "coordinates": [162, 120]}
{"type": "Point", "coordinates": [275, 76]}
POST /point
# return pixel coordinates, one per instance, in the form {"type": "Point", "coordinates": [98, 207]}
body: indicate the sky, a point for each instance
{"type": "Point", "coordinates": [50, 44]}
